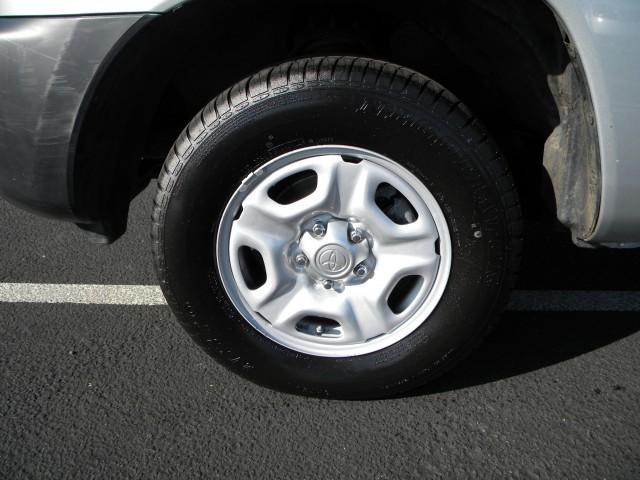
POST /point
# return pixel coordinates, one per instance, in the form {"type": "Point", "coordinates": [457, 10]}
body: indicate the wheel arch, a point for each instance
{"type": "Point", "coordinates": [512, 62]}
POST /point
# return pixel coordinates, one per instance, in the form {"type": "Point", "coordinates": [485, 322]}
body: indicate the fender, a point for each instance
{"type": "Point", "coordinates": [41, 8]}
{"type": "Point", "coordinates": [606, 37]}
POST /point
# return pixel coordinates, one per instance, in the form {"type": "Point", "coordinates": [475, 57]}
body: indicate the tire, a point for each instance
{"type": "Point", "coordinates": [312, 103]}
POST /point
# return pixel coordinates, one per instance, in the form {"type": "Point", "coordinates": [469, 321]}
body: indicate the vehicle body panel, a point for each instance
{"type": "Point", "coordinates": [47, 67]}
{"type": "Point", "coordinates": [32, 8]}
{"type": "Point", "coordinates": [606, 35]}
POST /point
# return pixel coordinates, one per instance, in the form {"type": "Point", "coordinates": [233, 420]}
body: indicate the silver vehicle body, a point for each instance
{"type": "Point", "coordinates": [39, 8]}
{"type": "Point", "coordinates": [606, 35]}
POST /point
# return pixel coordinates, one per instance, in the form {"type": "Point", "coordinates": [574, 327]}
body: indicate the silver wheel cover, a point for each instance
{"type": "Point", "coordinates": [339, 276]}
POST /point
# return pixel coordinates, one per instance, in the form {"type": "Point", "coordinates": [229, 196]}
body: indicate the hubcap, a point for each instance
{"type": "Point", "coordinates": [334, 251]}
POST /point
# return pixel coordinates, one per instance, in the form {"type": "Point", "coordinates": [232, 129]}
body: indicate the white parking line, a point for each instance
{"type": "Point", "coordinates": [85, 294]}
{"type": "Point", "coordinates": [521, 300]}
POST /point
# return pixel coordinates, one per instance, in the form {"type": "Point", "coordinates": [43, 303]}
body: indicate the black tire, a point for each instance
{"type": "Point", "coordinates": [375, 105]}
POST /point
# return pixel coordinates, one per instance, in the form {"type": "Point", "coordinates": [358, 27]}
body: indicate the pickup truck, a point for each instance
{"type": "Point", "coordinates": [341, 187]}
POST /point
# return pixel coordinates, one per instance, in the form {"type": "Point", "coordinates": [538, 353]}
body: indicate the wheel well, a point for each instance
{"type": "Point", "coordinates": [508, 60]}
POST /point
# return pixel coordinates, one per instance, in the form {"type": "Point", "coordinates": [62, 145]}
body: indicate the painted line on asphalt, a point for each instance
{"type": "Point", "coordinates": [521, 300]}
{"type": "Point", "coordinates": [83, 294]}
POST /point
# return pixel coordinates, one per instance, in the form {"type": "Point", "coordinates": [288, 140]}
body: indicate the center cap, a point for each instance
{"type": "Point", "coordinates": [333, 260]}
{"type": "Point", "coordinates": [332, 256]}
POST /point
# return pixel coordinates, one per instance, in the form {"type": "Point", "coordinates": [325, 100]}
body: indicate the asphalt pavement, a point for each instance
{"type": "Point", "coordinates": [97, 390]}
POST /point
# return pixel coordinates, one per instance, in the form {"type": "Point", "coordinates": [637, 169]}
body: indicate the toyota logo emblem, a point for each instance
{"type": "Point", "coordinates": [332, 259]}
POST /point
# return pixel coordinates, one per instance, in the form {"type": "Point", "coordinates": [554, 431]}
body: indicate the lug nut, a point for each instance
{"type": "Point", "coordinates": [318, 229]}
{"type": "Point", "coordinates": [301, 259]}
{"type": "Point", "coordinates": [356, 235]}
{"type": "Point", "coordinates": [327, 284]}
{"type": "Point", "coordinates": [361, 270]}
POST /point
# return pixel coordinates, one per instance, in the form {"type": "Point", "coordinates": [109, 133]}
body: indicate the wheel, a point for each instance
{"type": "Point", "coordinates": [336, 227]}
